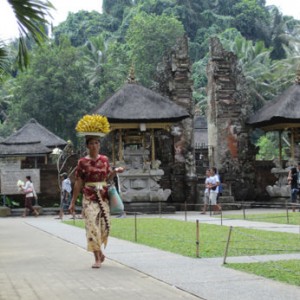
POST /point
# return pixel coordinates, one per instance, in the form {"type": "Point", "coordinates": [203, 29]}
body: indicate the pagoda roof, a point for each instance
{"type": "Point", "coordinates": [282, 112]}
{"type": "Point", "coordinates": [33, 133]}
{"type": "Point", "coordinates": [135, 103]}
{"type": "Point", "coordinates": [26, 149]}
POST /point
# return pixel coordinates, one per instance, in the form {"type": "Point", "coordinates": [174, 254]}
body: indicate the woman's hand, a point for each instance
{"type": "Point", "coordinates": [119, 170]}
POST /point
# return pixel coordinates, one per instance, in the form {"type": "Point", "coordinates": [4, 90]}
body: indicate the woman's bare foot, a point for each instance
{"type": "Point", "coordinates": [99, 258]}
{"type": "Point", "coordinates": [96, 265]}
{"type": "Point", "coordinates": [102, 257]}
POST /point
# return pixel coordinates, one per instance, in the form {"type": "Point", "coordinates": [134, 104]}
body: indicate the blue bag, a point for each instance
{"type": "Point", "coordinates": [115, 201]}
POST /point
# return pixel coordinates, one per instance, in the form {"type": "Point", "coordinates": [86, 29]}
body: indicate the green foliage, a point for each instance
{"type": "Point", "coordinates": [3, 61]}
{"type": "Point", "coordinates": [10, 202]}
{"type": "Point", "coordinates": [148, 37]}
{"type": "Point", "coordinates": [139, 33]}
{"type": "Point", "coordinates": [115, 69]}
{"type": "Point", "coordinates": [81, 26]}
{"type": "Point", "coordinates": [54, 91]}
{"type": "Point", "coordinates": [250, 18]}
{"type": "Point", "coordinates": [94, 58]}
{"type": "Point", "coordinates": [115, 8]}
{"type": "Point", "coordinates": [269, 147]}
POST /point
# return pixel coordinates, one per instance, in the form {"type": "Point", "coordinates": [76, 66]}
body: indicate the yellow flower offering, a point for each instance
{"type": "Point", "coordinates": [93, 124]}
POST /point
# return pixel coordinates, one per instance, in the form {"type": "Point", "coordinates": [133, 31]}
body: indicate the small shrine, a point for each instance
{"type": "Point", "coordinates": [28, 152]}
{"type": "Point", "coordinates": [280, 115]}
{"type": "Point", "coordinates": [136, 115]}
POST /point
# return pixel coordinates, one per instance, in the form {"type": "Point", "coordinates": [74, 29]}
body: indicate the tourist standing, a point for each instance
{"type": "Point", "coordinates": [213, 183]}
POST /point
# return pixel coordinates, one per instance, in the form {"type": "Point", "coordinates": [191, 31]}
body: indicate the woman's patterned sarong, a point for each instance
{"type": "Point", "coordinates": [96, 215]}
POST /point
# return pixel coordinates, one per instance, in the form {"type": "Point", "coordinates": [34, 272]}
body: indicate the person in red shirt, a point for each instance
{"type": "Point", "coordinates": [91, 177]}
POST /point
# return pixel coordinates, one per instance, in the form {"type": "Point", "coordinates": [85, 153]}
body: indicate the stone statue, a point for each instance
{"type": "Point", "coordinates": [190, 164]}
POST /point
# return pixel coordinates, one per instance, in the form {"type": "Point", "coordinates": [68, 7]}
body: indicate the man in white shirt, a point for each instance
{"type": "Point", "coordinates": [213, 183]}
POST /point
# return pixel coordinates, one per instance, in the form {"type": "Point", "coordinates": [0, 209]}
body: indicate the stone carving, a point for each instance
{"type": "Point", "coordinates": [140, 180]}
{"type": "Point", "coordinates": [280, 189]}
{"type": "Point", "coordinates": [190, 165]}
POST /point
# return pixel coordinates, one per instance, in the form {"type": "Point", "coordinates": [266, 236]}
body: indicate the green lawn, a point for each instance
{"type": "Point", "coordinates": [287, 271]}
{"type": "Point", "coordinates": [279, 218]}
{"type": "Point", "coordinates": [180, 237]}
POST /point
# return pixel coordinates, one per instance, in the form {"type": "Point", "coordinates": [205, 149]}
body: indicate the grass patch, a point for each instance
{"type": "Point", "coordinates": [180, 237]}
{"type": "Point", "coordinates": [279, 218]}
{"type": "Point", "coordinates": [284, 270]}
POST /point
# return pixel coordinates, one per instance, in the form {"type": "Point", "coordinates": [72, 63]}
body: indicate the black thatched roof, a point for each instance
{"type": "Point", "coordinates": [284, 109]}
{"type": "Point", "coordinates": [34, 132]}
{"type": "Point", "coordinates": [134, 102]}
{"type": "Point", "coordinates": [28, 149]}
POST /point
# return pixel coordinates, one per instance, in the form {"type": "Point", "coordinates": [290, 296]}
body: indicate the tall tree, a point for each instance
{"type": "Point", "coordinates": [148, 37]}
{"type": "Point", "coordinates": [54, 91]}
{"type": "Point", "coordinates": [115, 8]}
{"type": "Point", "coordinates": [251, 19]}
{"type": "Point", "coordinates": [83, 25]}
{"type": "Point", "coordinates": [95, 56]}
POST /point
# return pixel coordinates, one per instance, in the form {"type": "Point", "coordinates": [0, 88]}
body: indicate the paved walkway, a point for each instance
{"type": "Point", "coordinates": [42, 258]}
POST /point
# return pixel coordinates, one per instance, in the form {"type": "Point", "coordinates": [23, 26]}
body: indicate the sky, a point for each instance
{"type": "Point", "coordinates": [9, 29]}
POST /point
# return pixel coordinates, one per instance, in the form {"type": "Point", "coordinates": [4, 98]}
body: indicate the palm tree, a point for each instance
{"type": "Point", "coordinates": [31, 18]}
{"type": "Point", "coordinates": [95, 57]}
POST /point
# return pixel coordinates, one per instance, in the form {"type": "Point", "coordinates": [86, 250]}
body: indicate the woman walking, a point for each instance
{"type": "Point", "coordinates": [28, 190]}
{"type": "Point", "coordinates": [91, 177]}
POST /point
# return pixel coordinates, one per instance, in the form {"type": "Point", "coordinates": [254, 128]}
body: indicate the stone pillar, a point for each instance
{"type": "Point", "coordinates": [230, 149]}
{"type": "Point", "coordinates": [174, 81]}
{"type": "Point", "coordinates": [181, 92]}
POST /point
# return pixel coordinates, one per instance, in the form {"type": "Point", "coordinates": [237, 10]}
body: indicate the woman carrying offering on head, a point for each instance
{"type": "Point", "coordinates": [91, 177]}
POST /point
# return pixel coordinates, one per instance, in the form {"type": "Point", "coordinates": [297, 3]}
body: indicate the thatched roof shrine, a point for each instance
{"type": "Point", "coordinates": [33, 132]}
{"type": "Point", "coordinates": [135, 110]}
{"type": "Point", "coordinates": [135, 103]}
{"type": "Point", "coordinates": [283, 112]}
